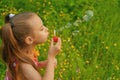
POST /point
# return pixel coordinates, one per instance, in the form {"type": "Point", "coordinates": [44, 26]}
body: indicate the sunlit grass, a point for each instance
{"type": "Point", "coordinates": [90, 49]}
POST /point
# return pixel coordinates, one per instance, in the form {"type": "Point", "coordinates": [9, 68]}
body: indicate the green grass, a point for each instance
{"type": "Point", "coordinates": [90, 54]}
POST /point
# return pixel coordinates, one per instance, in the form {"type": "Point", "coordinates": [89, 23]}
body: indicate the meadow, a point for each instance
{"type": "Point", "coordinates": [89, 30]}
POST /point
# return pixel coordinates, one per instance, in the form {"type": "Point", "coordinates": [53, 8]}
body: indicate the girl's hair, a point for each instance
{"type": "Point", "coordinates": [13, 34]}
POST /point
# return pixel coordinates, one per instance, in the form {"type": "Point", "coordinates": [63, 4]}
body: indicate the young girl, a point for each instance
{"type": "Point", "coordinates": [20, 34]}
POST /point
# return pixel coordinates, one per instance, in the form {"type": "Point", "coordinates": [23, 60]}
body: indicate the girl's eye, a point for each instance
{"type": "Point", "coordinates": [42, 28]}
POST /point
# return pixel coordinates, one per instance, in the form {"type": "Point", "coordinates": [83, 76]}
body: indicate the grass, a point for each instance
{"type": "Point", "coordinates": [90, 51]}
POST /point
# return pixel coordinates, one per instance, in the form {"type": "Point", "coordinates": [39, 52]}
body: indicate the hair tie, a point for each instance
{"type": "Point", "coordinates": [10, 21]}
{"type": "Point", "coordinates": [11, 15]}
{"type": "Point", "coordinates": [12, 25]}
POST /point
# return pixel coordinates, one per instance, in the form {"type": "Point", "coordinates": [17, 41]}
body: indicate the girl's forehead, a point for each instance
{"type": "Point", "coordinates": [36, 20]}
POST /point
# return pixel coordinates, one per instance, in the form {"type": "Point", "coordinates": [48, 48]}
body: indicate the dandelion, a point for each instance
{"type": "Point", "coordinates": [96, 66]}
{"type": "Point", "coordinates": [107, 47]}
{"type": "Point", "coordinates": [71, 66]}
{"type": "Point", "coordinates": [113, 77]}
{"type": "Point", "coordinates": [49, 40]}
{"type": "Point", "coordinates": [62, 28]}
{"type": "Point", "coordinates": [60, 73]}
{"type": "Point", "coordinates": [43, 4]}
{"type": "Point", "coordinates": [115, 44]}
{"type": "Point", "coordinates": [72, 47]}
{"type": "Point", "coordinates": [45, 49]}
{"type": "Point", "coordinates": [49, 3]}
{"type": "Point", "coordinates": [30, 0]}
{"type": "Point", "coordinates": [64, 40]}
{"type": "Point", "coordinates": [117, 68]}
{"type": "Point", "coordinates": [69, 39]}
{"type": "Point", "coordinates": [61, 14]}
{"type": "Point", "coordinates": [87, 62]}
{"type": "Point", "coordinates": [103, 42]}
{"type": "Point", "coordinates": [71, 12]}
{"type": "Point", "coordinates": [98, 78]}
{"type": "Point", "coordinates": [63, 69]}
{"type": "Point", "coordinates": [44, 11]}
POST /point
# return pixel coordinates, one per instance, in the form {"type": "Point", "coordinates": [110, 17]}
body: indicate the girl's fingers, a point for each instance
{"type": "Point", "coordinates": [58, 44]}
{"type": "Point", "coordinates": [51, 42]}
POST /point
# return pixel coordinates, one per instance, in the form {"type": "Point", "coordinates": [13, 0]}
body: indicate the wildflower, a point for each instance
{"type": "Point", "coordinates": [78, 70]}
{"type": "Point", "coordinates": [69, 39]}
{"type": "Point", "coordinates": [61, 14]}
{"type": "Point", "coordinates": [71, 12]}
{"type": "Point", "coordinates": [87, 62]}
{"type": "Point", "coordinates": [30, 0]}
{"type": "Point", "coordinates": [71, 65]}
{"type": "Point", "coordinates": [60, 73]}
{"type": "Point", "coordinates": [49, 3]}
{"type": "Point", "coordinates": [96, 66]}
{"type": "Point", "coordinates": [45, 49]}
{"type": "Point", "coordinates": [117, 68]}
{"type": "Point", "coordinates": [43, 4]}
{"type": "Point", "coordinates": [64, 40]}
{"type": "Point", "coordinates": [63, 69]}
{"type": "Point", "coordinates": [44, 11]}
{"type": "Point", "coordinates": [72, 47]}
{"type": "Point", "coordinates": [106, 47]}
{"type": "Point", "coordinates": [115, 44]}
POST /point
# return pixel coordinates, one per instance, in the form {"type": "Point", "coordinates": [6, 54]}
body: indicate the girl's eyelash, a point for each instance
{"type": "Point", "coordinates": [41, 28]}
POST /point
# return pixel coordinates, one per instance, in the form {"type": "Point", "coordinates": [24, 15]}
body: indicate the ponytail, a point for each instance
{"type": "Point", "coordinates": [11, 48]}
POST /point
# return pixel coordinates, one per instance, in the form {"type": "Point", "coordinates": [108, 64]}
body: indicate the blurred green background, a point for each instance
{"type": "Point", "coordinates": [89, 30]}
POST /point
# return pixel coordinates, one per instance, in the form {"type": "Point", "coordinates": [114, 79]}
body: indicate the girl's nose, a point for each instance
{"type": "Point", "coordinates": [46, 28]}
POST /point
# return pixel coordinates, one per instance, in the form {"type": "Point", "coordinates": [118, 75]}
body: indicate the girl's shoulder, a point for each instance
{"type": "Point", "coordinates": [23, 65]}
{"type": "Point", "coordinates": [28, 71]}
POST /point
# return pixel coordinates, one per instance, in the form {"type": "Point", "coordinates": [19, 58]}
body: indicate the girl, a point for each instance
{"type": "Point", "coordinates": [20, 34]}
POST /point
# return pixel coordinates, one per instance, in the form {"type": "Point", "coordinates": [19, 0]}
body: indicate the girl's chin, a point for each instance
{"type": "Point", "coordinates": [44, 40]}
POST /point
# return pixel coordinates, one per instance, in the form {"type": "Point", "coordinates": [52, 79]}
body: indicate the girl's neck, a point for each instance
{"type": "Point", "coordinates": [29, 51]}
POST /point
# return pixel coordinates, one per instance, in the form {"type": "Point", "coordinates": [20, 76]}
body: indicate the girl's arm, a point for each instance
{"type": "Point", "coordinates": [31, 74]}
{"type": "Point", "coordinates": [28, 72]}
{"type": "Point", "coordinates": [43, 64]}
{"type": "Point", "coordinates": [53, 51]}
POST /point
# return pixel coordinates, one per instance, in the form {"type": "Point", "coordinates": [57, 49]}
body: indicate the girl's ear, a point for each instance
{"type": "Point", "coordinates": [28, 40]}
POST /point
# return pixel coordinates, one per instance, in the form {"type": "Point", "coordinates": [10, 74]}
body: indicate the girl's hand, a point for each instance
{"type": "Point", "coordinates": [54, 48]}
{"type": "Point", "coordinates": [42, 64]}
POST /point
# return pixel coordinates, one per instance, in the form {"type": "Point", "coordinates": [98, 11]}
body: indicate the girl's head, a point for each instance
{"type": "Point", "coordinates": [20, 31]}
{"type": "Point", "coordinates": [27, 28]}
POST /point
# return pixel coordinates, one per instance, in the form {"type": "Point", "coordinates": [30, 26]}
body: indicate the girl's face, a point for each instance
{"type": "Point", "coordinates": [40, 32]}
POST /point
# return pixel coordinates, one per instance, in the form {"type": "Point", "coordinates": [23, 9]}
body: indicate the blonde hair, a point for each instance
{"type": "Point", "coordinates": [13, 34]}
